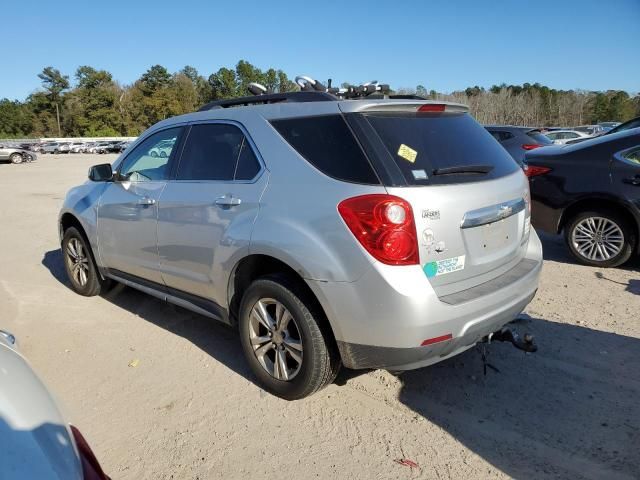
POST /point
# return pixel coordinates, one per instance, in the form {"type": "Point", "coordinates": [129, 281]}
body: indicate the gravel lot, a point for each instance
{"type": "Point", "coordinates": [190, 409]}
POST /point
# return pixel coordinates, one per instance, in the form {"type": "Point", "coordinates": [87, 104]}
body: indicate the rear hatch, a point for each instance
{"type": "Point", "coordinates": [469, 197]}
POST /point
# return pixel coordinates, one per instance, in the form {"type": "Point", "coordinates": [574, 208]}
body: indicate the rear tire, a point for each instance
{"type": "Point", "coordinates": [80, 265]}
{"type": "Point", "coordinates": [16, 158]}
{"type": "Point", "coordinates": [300, 344]}
{"type": "Point", "coordinates": [600, 238]}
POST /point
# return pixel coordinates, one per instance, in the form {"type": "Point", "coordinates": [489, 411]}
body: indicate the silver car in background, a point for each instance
{"type": "Point", "coordinates": [16, 155]}
{"type": "Point", "coordinates": [373, 233]}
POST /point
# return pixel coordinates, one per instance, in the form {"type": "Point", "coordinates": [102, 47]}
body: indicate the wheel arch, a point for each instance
{"type": "Point", "coordinates": [257, 265]}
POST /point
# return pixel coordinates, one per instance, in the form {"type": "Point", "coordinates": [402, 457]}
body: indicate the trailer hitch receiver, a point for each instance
{"type": "Point", "coordinates": [525, 342]}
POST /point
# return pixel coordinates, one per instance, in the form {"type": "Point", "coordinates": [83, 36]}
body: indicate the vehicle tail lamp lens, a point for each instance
{"type": "Point", "coordinates": [533, 171]}
{"type": "Point", "coordinates": [432, 107]}
{"type": "Point", "coordinates": [431, 341]}
{"type": "Point", "coordinates": [531, 146]}
{"type": "Point", "coordinates": [384, 226]}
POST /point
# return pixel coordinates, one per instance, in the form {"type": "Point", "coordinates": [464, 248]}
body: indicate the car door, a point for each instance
{"type": "Point", "coordinates": [4, 152]}
{"type": "Point", "coordinates": [207, 211]}
{"type": "Point", "coordinates": [128, 210]}
{"type": "Point", "coordinates": [625, 174]}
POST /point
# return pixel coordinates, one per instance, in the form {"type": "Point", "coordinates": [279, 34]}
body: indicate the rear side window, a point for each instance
{"type": "Point", "coordinates": [500, 135]}
{"type": "Point", "coordinates": [217, 151]}
{"type": "Point", "coordinates": [328, 144]}
{"type": "Point", "coordinates": [437, 148]}
{"type": "Point", "coordinates": [539, 137]}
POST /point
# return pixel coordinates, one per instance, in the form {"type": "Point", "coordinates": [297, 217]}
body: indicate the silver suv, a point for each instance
{"type": "Point", "coordinates": [372, 233]}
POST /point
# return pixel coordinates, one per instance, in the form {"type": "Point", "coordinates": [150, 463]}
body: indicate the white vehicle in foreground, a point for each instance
{"type": "Point", "coordinates": [35, 441]}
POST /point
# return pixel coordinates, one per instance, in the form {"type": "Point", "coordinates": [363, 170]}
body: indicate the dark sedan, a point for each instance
{"type": "Point", "coordinates": [518, 140]}
{"type": "Point", "coordinates": [591, 192]}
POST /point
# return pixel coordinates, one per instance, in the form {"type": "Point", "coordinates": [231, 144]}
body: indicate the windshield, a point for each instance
{"type": "Point", "coordinates": [441, 148]}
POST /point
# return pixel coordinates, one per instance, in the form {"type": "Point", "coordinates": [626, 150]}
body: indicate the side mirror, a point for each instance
{"type": "Point", "coordinates": [101, 173]}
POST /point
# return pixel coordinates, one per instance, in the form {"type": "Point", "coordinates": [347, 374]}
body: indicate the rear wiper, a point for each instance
{"type": "Point", "coordinates": [463, 169]}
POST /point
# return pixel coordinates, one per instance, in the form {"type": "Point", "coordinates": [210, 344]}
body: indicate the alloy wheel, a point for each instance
{"type": "Point", "coordinates": [597, 238]}
{"type": "Point", "coordinates": [78, 262]}
{"type": "Point", "coordinates": [275, 339]}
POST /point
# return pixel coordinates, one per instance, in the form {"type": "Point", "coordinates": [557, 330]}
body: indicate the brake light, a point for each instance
{"type": "Point", "coordinates": [431, 341]}
{"type": "Point", "coordinates": [533, 171]}
{"type": "Point", "coordinates": [384, 226]}
{"type": "Point", "coordinates": [531, 146]}
{"type": "Point", "coordinates": [432, 107]}
{"type": "Point", "coordinates": [91, 469]}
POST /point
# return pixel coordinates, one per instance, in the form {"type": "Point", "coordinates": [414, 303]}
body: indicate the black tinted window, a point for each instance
{"type": "Point", "coordinates": [211, 152]}
{"type": "Point", "coordinates": [424, 146]}
{"type": "Point", "coordinates": [248, 166]}
{"type": "Point", "coordinates": [327, 143]}
{"type": "Point", "coordinates": [540, 138]}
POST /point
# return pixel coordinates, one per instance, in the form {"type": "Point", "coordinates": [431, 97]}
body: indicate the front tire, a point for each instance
{"type": "Point", "coordinates": [16, 158]}
{"type": "Point", "coordinates": [80, 265]}
{"type": "Point", "coordinates": [600, 238]}
{"type": "Point", "coordinates": [285, 339]}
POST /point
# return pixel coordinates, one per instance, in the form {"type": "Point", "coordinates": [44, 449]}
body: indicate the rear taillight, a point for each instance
{"type": "Point", "coordinates": [384, 226]}
{"type": "Point", "coordinates": [531, 146]}
{"type": "Point", "coordinates": [432, 107]}
{"type": "Point", "coordinates": [533, 171]}
{"type": "Point", "coordinates": [91, 469]}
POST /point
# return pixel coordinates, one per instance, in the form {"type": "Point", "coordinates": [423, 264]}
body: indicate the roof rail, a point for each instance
{"type": "Point", "coordinates": [289, 97]}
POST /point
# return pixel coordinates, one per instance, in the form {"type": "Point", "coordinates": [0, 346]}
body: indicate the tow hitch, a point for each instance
{"type": "Point", "coordinates": [525, 343]}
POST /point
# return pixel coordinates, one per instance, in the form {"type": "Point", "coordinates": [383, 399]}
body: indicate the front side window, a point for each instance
{"type": "Point", "coordinates": [217, 151]}
{"type": "Point", "coordinates": [149, 160]}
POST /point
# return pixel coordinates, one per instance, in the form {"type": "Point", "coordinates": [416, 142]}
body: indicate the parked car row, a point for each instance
{"type": "Point", "coordinates": [81, 147]}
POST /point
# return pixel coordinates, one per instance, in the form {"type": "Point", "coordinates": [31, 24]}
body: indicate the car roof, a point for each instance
{"type": "Point", "coordinates": [272, 111]}
{"type": "Point", "coordinates": [602, 139]}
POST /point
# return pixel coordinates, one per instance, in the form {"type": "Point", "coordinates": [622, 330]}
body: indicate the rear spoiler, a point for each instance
{"type": "Point", "coordinates": [411, 106]}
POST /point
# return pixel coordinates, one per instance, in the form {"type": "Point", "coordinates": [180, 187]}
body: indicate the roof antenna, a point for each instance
{"type": "Point", "coordinates": [256, 88]}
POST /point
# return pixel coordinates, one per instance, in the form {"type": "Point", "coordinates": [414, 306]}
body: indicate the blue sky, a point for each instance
{"type": "Point", "coordinates": [443, 45]}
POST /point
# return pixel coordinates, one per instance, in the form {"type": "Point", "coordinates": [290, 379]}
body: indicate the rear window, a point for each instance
{"type": "Point", "coordinates": [437, 148]}
{"type": "Point", "coordinates": [328, 144]}
{"type": "Point", "coordinates": [539, 137]}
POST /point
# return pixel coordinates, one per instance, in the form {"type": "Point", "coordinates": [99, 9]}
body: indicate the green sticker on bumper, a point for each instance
{"type": "Point", "coordinates": [442, 267]}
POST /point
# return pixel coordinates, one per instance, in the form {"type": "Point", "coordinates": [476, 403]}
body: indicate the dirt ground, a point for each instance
{"type": "Point", "coordinates": [189, 409]}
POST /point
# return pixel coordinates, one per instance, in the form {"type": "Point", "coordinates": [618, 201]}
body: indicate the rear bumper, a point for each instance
{"type": "Point", "coordinates": [381, 320]}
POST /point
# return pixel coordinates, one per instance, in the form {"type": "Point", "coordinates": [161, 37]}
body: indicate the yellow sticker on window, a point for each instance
{"type": "Point", "coordinates": [408, 153]}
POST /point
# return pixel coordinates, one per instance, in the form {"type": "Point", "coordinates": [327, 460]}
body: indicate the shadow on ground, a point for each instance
{"type": "Point", "coordinates": [571, 410]}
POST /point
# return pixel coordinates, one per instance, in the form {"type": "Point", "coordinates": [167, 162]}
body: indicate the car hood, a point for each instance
{"type": "Point", "coordinates": [36, 441]}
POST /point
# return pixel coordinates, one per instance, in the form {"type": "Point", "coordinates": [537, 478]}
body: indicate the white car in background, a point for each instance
{"type": "Point", "coordinates": [560, 137]}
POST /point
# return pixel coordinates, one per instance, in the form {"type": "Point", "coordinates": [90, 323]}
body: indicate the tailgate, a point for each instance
{"type": "Point", "coordinates": [469, 233]}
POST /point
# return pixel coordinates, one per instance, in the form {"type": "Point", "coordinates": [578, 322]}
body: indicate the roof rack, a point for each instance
{"type": "Point", "coordinates": [270, 98]}
{"type": "Point", "coordinates": [310, 91]}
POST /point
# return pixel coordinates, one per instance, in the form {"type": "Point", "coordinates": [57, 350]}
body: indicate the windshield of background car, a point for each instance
{"type": "Point", "coordinates": [423, 145]}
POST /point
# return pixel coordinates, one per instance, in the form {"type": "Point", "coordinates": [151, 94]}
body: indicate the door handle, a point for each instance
{"type": "Point", "coordinates": [146, 201]}
{"type": "Point", "coordinates": [228, 201]}
{"type": "Point", "coordinates": [633, 180]}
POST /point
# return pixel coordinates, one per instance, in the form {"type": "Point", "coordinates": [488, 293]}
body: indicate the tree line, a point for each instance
{"type": "Point", "coordinates": [94, 104]}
